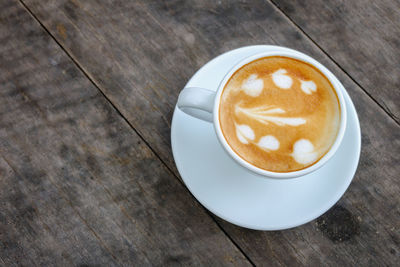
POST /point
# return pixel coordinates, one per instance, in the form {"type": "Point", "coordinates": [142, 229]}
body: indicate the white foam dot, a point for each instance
{"type": "Point", "coordinates": [308, 87]}
{"type": "Point", "coordinates": [268, 142]}
{"type": "Point", "coordinates": [303, 152]}
{"type": "Point", "coordinates": [253, 86]}
{"type": "Point", "coordinates": [282, 80]}
{"type": "Point", "coordinates": [244, 133]}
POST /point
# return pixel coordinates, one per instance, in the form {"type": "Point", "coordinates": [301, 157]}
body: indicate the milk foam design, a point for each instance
{"type": "Point", "coordinates": [303, 152]}
{"type": "Point", "coordinates": [282, 80]}
{"type": "Point", "coordinates": [268, 142]}
{"type": "Point", "coordinates": [308, 87]}
{"type": "Point", "coordinates": [279, 114]}
{"type": "Point", "coordinates": [253, 86]}
{"type": "Point", "coordinates": [264, 114]}
{"type": "Point", "coordinates": [244, 133]}
{"type": "Point", "coordinates": [303, 149]}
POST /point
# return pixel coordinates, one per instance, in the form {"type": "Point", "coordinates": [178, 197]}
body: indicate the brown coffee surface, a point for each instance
{"type": "Point", "coordinates": [279, 114]}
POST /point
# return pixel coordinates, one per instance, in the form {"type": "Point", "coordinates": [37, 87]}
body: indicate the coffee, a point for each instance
{"type": "Point", "coordinates": [279, 114]}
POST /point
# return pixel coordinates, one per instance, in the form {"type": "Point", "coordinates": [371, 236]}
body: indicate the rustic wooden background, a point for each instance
{"type": "Point", "coordinates": [87, 91]}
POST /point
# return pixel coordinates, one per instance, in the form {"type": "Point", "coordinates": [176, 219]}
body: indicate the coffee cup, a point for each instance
{"type": "Point", "coordinates": [279, 114]}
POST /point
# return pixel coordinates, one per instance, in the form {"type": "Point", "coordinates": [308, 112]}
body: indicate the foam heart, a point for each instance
{"type": "Point", "coordinates": [244, 133]}
{"type": "Point", "coordinates": [253, 86]}
{"type": "Point", "coordinates": [303, 152]}
{"type": "Point", "coordinates": [308, 87]}
{"type": "Point", "coordinates": [268, 142]}
{"type": "Point", "coordinates": [282, 80]}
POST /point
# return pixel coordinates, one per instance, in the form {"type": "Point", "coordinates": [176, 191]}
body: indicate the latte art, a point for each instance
{"type": "Point", "coordinates": [282, 80]}
{"type": "Point", "coordinates": [265, 115]}
{"type": "Point", "coordinates": [253, 86]}
{"type": "Point", "coordinates": [279, 114]}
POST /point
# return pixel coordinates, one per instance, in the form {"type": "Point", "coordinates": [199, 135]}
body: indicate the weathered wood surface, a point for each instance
{"type": "Point", "coordinates": [78, 185]}
{"type": "Point", "coordinates": [363, 37]}
{"type": "Point", "coordinates": [141, 53]}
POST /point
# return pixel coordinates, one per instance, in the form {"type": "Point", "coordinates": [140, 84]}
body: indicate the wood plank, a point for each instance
{"type": "Point", "coordinates": [35, 232]}
{"type": "Point", "coordinates": [78, 185]}
{"type": "Point", "coordinates": [141, 53]}
{"type": "Point", "coordinates": [362, 37]}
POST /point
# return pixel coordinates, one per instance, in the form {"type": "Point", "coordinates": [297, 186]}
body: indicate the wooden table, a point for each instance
{"type": "Point", "coordinates": [87, 91]}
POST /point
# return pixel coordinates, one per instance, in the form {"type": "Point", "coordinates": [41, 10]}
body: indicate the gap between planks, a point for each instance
{"type": "Point", "coordinates": [87, 75]}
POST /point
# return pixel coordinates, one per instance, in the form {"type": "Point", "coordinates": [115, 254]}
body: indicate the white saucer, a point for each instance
{"type": "Point", "coordinates": [241, 197]}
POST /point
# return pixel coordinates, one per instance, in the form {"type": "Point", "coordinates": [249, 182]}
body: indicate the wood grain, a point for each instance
{"type": "Point", "coordinates": [363, 37]}
{"type": "Point", "coordinates": [78, 185]}
{"type": "Point", "coordinates": [141, 53]}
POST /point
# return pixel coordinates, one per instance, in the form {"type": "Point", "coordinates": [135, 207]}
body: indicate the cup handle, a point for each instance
{"type": "Point", "coordinates": [197, 102]}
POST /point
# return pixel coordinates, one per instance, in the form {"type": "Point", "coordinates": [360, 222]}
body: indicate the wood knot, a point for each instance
{"type": "Point", "coordinates": [338, 224]}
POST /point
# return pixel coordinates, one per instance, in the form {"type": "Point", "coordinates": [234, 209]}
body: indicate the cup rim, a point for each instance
{"type": "Point", "coordinates": [282, 175]}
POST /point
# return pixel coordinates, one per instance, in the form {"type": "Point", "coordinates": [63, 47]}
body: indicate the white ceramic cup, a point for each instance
{"type": "Point", "coordinates": [205, 103]}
